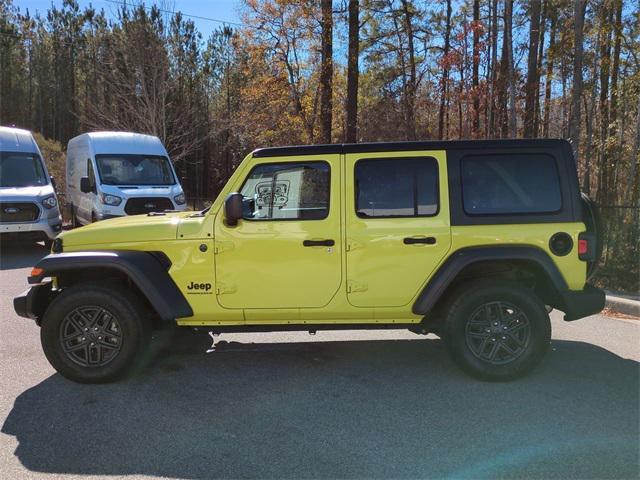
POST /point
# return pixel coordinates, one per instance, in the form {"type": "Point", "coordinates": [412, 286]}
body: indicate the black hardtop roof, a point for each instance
{"type": "Point", "coordinates": [406, 146]}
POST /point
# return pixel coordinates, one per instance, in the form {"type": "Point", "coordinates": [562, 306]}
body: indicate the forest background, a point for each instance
{"type": "Point", "coordinates": [322, 71]}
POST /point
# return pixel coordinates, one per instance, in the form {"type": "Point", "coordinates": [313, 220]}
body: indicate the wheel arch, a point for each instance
{"type": "Point", "coordinates": [529, 265]}
{"type": "Point", "coordinates": [146, 271]}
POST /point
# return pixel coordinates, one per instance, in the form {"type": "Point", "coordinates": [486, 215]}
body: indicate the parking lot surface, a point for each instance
{"type": "Point", "coordinates": [334, 405]}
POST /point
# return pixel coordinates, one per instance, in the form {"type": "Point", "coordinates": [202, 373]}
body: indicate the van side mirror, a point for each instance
{"type": "Point", "coordinates": [85, 185]}
{"type": "Point", "coordinates": [233, 208]}
{"type": "Point", "coordinates": [53, 183]}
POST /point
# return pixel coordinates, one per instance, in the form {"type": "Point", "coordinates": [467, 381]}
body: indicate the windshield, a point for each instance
{"type": "Point", "coordinates": [19, 169]}
{"type": "Point", "coordinates": [134, 170]}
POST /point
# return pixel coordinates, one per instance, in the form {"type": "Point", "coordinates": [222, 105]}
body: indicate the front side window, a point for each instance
{"type": "Point", "coordinates": [510, 184]}
{"type": "Point", "coordinates": [21, 170]}
{"type": "Point", "coordinates": [287, 191]}
{"type": "Point", "coordinates": [399, 187]}
{"type": "Point", "coordinates": [134, 170]}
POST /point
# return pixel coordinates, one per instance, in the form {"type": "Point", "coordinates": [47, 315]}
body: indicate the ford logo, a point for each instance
{"type": "Point", "coordinates": [149, 205]}
{"type": "Point", "coordinates": [11, 210]}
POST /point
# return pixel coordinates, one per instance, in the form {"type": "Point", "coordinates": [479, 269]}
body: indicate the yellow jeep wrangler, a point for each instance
{"type": "Point", "coordinates": [475, 241]}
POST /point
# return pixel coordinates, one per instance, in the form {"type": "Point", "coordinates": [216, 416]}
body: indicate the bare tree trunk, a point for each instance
{"type": "Point", "coordinates": [532, 70]}
{"type": "Point", "coordinates": [475, 81]}
{"type": "Point", "coordinates": [547, 86]}
{"type": "Point", "coordinates": [326, 72]}
{"type": "Point", "coordinates": [410, 94]}
{"type": "Point", "coordinates": [590, 113]}
{"type": "Point", "coordinates": [445, 73]}
{"type": "Point", "coordinates": [494, 68]}
{"type": "Point", "coordinates": [609, 153]}
{"type": "Point", "coordinates": [508, 28]}
{"type": "Point", "coordinates": [605, 57]}
{"type": "Point", "coordinates": [543, 30]}
{"type": "Point", "coordinates": [353, 72]}
{"type": "Point", "coordinates": [574, 120]}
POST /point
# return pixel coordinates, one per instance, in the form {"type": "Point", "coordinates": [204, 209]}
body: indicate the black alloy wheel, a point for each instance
{"type": "Point", "coordinates": [90, 336]}
{"type": "Point", "coordinates": [498, 332]}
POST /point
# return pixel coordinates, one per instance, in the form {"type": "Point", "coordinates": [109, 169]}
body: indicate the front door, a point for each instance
{"type": "Point", "coordinates": [87, 200]}
{"type": "Point", "coordinates": [397, 225]}
{"type": "Point", "coordinates": [286, 251]}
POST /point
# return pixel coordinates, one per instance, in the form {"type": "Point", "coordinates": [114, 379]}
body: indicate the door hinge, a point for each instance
{"type": "Point", "coordinates": [353, 287]}
{"type": "Point", "coordinates": [352, 245]}
{"type": "Point", "coordinates": [221, 289]}
{"type": "Point", "coordinates": [222, 247]}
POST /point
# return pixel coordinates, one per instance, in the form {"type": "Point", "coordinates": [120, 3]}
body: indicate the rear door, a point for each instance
{"type": "Point", "coordinates": [286, 251]}
{"type": "Point", "coordinates": [397, 224]}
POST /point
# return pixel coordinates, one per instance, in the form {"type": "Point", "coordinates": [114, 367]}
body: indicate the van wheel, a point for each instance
{"type": "Point", "coordinates": [93, 333]}
{"type": "Point", "coordinates": [497, 331]}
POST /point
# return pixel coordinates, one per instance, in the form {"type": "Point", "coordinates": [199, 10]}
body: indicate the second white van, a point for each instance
{"type": "Point", "coordinates": [112, 174]}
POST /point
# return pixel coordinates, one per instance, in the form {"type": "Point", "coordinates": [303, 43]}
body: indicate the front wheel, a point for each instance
{"type": "Point", "coordinates": [497, 331]}
{"type": "Point", "coordinates": [93, 333]}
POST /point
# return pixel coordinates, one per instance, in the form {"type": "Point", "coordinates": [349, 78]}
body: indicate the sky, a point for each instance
{"type": "Point", "coordinates": [222, 10]}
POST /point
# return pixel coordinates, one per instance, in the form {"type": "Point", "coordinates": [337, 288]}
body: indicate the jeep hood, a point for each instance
{"type": "Point", "coordinates": [135, 228]}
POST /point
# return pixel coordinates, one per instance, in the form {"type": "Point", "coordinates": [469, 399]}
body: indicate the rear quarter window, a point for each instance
{"type": "Point", "coordinates": [507, 184]}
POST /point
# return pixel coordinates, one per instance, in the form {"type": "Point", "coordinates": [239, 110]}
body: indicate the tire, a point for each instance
{"type": "Point", "coordinates": [496, 331]}
{"type": "Point", "coordinates": [48, 243]}
{"type": "Point", "coordinates": [84, 320]}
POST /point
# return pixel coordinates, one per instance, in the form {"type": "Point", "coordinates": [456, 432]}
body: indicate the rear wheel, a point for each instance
{"type": "Point", "coordinates": [93, 333]}
{"type": "Point", "coordinates": [497, 331]}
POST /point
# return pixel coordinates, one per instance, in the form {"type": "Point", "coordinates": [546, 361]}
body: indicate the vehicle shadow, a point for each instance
{"type": "Point", "coordinates": [15, 255]}
{"type": "Point", "coordinates": [364, 409]}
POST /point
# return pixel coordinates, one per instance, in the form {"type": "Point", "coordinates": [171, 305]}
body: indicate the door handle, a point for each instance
{"type": "Point", "coordinates": [318, 243]}
{"type": "Point", "coordinates": [418, 240]}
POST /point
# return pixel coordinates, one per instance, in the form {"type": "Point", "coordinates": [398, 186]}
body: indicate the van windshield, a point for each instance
{"type": "Point", "coordinates": [18, 169]}
{"type": "Point", "coordinates": [134, 170]}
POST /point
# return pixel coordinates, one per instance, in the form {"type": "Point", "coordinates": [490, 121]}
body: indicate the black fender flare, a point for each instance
{"type": "Point", "coordinates": [147, 270]}
{"type": "Point", "coordinates": [450, 269]}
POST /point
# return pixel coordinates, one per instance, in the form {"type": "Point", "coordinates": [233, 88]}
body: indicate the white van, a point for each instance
{"type": "Point", "coordinates": [111, 174]}
{"type": "Point", "coordinates": [28, 204]}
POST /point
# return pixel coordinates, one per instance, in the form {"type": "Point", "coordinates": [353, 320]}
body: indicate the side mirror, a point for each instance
{"type": "Point", "coordinates": [233, 208]}
{"type": "Point", "coordinates": [53, 183]}
{"type": "Point", "coordinates": [85, 186]}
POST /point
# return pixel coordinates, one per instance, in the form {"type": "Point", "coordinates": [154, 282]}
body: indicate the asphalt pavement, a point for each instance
{"type": "Point", "coordinates": [335, 405]}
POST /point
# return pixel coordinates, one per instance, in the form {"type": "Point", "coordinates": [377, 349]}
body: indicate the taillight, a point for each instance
{"type": "Point", "coordinates": [586, 247]}
{"type": "Point", "coordinates": [583, 247]}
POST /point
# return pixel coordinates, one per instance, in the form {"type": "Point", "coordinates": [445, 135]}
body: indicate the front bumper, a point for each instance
{"type": "Point", "coordinates": [43, 227]}
{"type": "Point", "coordinates": [578, 304]}
{"type": "Point", "coordinates": [33, 302]}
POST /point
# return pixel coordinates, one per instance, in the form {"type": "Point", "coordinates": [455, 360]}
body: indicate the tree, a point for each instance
{"type": "Point", "coordinates": [476, 67]}
{"type": "Point", "coordinates": [532, 70]}
{"type": "Point", "coordinates": [574, 120]}
{"type": "Point", "coordinates": [353, 71]}
{"type": "Point", "coordinates": [326, 72]}
{"type": "Point", "coordinates": [444, 64]}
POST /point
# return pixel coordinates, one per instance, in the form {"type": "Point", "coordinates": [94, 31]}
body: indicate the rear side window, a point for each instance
{"type": "Point", "coordinates": [510, 184]}
{"type": "Point", "coordinates": [287, 191]}
{"type": "Point", "coordinates": [399, 187]}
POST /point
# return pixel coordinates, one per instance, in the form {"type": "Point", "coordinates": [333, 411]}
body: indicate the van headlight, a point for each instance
{"type": "Point", "coordinates": [179, 199]}
{"type": "Point", "coordinates": [112, 200]}
{"type": "Point", "coordinates": [49, 202]}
